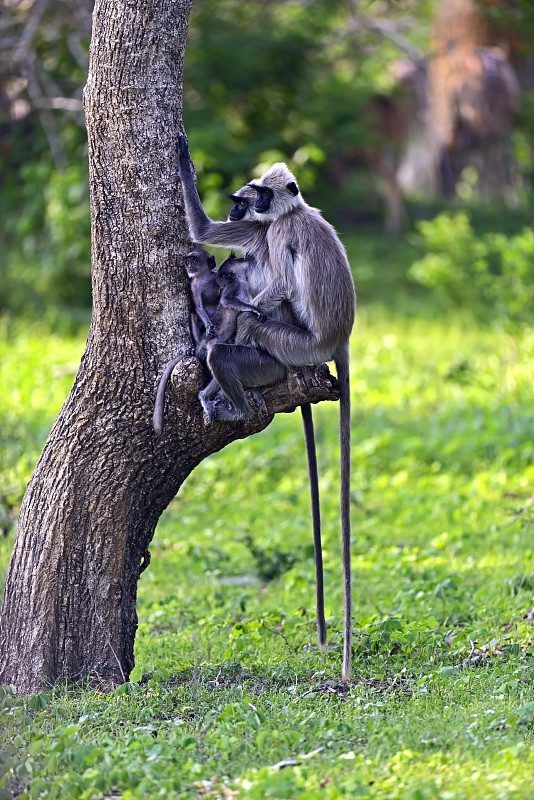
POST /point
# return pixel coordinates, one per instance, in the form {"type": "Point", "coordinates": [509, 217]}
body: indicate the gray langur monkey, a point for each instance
{"type": "Point", "coordinates": [313, 273]}
{"type": "Point", "coordinates": [237, 366]}
{"type": "Point", "coordinates": [263, 368]}
{"type": "Point", "coordinates": [205, 291]}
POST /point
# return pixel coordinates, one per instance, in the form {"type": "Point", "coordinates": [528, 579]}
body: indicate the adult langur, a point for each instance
{"type": "Point", "coordinates": [313, 273]}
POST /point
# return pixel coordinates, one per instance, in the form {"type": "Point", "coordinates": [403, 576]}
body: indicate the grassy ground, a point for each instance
{"type": "Point", "coordinates": [230, 696]}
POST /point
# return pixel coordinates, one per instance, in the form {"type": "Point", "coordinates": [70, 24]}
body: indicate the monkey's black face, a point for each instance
{"type": "Point", "coordinates": [231, 269]}
{"type": "Point", "coordinates": [239, 209]}
{"type": "Point", "coordinates": [198, 261]}
{"type": "Point", "coordinates": [193, 265]}
{"type": "Point", "coordinates": [224, 276]}
{"type": "Point", "coordinates": [264, 198]}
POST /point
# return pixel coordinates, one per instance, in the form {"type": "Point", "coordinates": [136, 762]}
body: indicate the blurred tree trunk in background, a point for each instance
{"type": "Point", "coordinates": [474, 98]}
{"type": "Point", "coordinates": [103, 479]}
{"type": "Point", "coordinates": [458, 28]}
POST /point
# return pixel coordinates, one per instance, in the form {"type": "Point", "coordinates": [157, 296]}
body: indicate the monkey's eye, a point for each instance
{"type": "Point", "coordinates": [242, 204]}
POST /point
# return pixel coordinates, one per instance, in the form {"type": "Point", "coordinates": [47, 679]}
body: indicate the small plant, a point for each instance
{"type": "Point", "coordinates": [270, 562]}
{"type": "Point", "coordinates": [492, 274]}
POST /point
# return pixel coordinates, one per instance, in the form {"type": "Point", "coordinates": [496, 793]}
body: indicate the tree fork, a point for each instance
{"type": "Point", "coordinates": [104, 478]}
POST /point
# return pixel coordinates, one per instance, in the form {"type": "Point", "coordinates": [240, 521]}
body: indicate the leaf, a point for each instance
{"type": "Point", "coordinates": [261, 738]}
{"type": "Point", "coordinates": [447, 672]}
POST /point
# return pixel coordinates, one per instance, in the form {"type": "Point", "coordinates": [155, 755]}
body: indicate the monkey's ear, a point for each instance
{"type": "Point", "coordinates": [293, 188]}
{"type": "Point", "coordinates": [211, 262]}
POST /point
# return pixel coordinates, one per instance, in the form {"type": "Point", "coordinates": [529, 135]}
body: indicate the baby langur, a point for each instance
{"type": "Point", "coordinates": [264, 369]}
{"type": "Point", "coordinates": [232, 283]}
{"type": "Point", "coordinates": [205, 291]}
{"type": "Point", "coordinates": [246, 230]}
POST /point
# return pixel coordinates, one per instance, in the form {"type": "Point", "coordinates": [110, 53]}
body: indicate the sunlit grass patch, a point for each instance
{"type": "Point", "coordinates": [230, 695]}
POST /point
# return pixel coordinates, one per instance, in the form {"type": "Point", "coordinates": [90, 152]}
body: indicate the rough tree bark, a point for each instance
{"type": "Point", "coordinates": [103, 479]}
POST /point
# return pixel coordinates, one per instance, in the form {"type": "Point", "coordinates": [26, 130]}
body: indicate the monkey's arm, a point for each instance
{"type": "Point", "coordinates": [272, 296]}
{"type": "Point", "coordinates": [196, 292]}
{"type": "Point", "coordinates": [240, 305]}
{"type": "Point", "coordinates": [242, 233]}
{"type": "Point", "coordinates": [196, 328]}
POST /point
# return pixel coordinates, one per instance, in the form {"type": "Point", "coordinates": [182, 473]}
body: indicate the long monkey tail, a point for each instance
{"type": "Point", "coordinates": [309, 437]}
{"type": "Point", "coordinates": [159, 405]}
{"type": "Point", "coordinates": [341, 359]}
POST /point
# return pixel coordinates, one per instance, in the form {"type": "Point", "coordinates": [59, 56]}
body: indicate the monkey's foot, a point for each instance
{"type": "Point", "coordinates": [259, 401]}
{"type": "Point", "coordinates": [232, 414]}
{"type": "Point", "coordinates": [221, 399]}
{"type": "Point", "coordinates": [216, 409]}
{"type": "Point", "coordinates": [225, 410]}
{"type": "Point", "coordinates": [210, 411]}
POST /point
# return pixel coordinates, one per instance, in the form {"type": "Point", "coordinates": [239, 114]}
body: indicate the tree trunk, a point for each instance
{"type": "Point", "coordinates": [458, 29]}
{"type": "Point", "coordinates": [104, 478]}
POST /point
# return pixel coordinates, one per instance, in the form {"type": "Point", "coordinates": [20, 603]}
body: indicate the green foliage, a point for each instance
{"type": "Point", "coordinates": [492, 274]}
{"type": "Point", "coordinates": [45, 249]}
{"type": "Point", "coordinates": [48, 242]}
{"type": "Point", "coordinates": [263, 82]}
{"type": "Point", "coordinates": [270, 563]}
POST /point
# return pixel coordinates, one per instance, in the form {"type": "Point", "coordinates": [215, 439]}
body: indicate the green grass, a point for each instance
{"type": "Point", "coordinates": [228, 680]}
